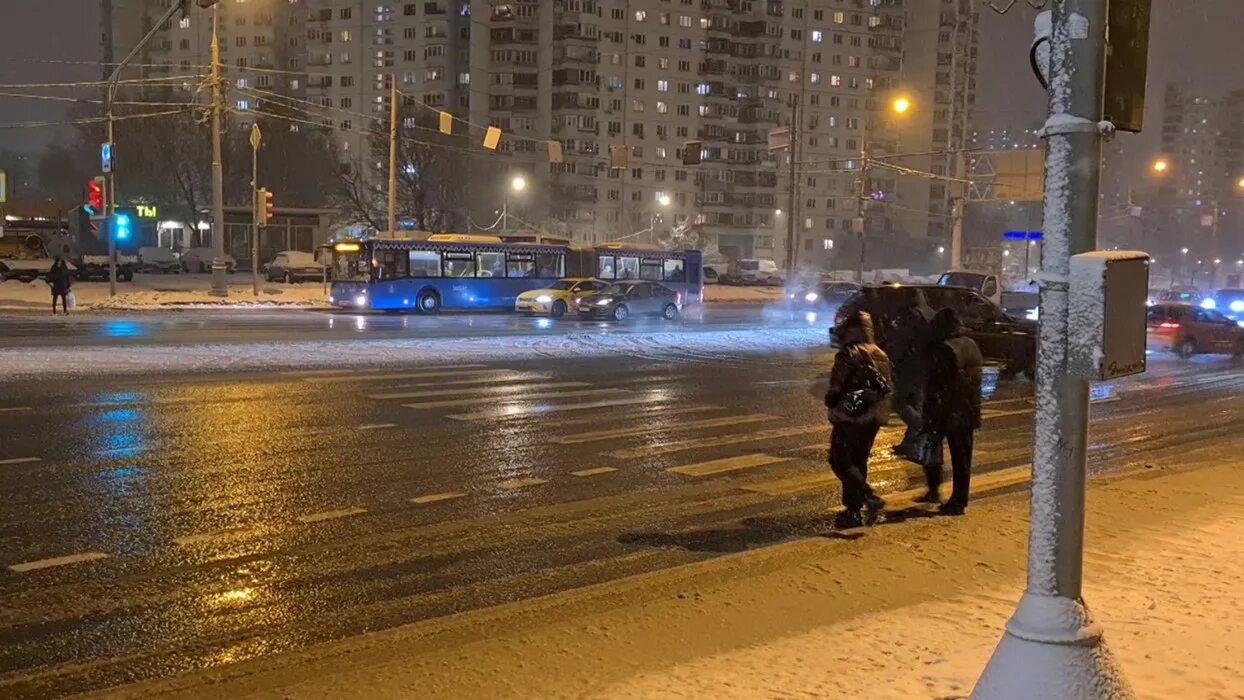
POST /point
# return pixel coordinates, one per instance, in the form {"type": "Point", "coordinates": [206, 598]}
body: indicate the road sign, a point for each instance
{"type": "Point", "coordinates": [256, 137]}
{"type": "Point", "coordinates": [105, 157]}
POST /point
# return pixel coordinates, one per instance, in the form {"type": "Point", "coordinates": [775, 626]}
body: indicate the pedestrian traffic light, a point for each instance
{"type": "Point", "coordinates": [97, 198]}
{"type": "Point", "coordinates": [122, 226]}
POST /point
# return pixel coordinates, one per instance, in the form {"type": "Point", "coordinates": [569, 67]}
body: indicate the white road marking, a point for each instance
{"type": "Point", "coordinates": [356, 374]}
{"type": "Point", "coordinates": [684, 445]}
{"type": "Point", "coordinates": [209, 536]}
{"type": "Point", "coordinates": [507, 390]}
{"type": "Point", "coordinates": [57, 561]}
{"type": "Point", "coordinates": [645, 430]}
{"type": "Point", "coordinates": [656, 411]}
{"type": "Point", "coordinates": [15, 409]}
{"type": "Point", "coordinates": [515, 484]}
{"type": "Point", "coordinates": [502, 376]}
{"type": "Point", "coordinates": [729, 464]}
{"type": "Point", "coordinates": [377, 426]}
{"type": "Point", "coordinates": [339, 379]}
{"type": "Point", "coordinates": [330, 515]}
{"type": "Point", "coordinates": [436, 497]}
{"type": "Point", "coordinates": [490, 400]}
{"type": "Point", "coordinates": [513, 411]}
{"type": "Point", "coordinates": [594, 472]}
{"type": "Point", "coordinates": [20, 460]}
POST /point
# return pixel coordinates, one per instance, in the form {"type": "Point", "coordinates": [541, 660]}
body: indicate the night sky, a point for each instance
{"type": "Point", "coordinates": [1195, 42]}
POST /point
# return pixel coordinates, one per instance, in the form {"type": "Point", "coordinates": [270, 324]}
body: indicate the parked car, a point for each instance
{"type": "Point", "coordinates": [1002, 338]}
{"type": "Point", "coordinates": [622, 300]}
{"type": "Point", "coordinates": [823, 295]}
{"type": "Point", "coordinates": [1189, 330]}
{"type": "Point", "coordinates": [759, 271]}
{"type": "Point", "coordinates": [558, 298]}
{"type": "Point", "coordinates": [294, 266]}
{"type": "Point", "coordinates": [157, 259]}
{"type": "Point", "coordinates": [200, 260]}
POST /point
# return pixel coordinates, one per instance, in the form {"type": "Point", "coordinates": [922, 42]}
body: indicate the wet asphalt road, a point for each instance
{"type": "Point", "coordinates": [168, 523]}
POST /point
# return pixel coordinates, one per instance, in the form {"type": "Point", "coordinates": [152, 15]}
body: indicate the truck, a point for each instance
{"type": "Point", "coordinates": [23, 258]}
{"type": "Point", "coordinates": [87, 249]}
{"type": "Point", "coordinates": [982, 272]}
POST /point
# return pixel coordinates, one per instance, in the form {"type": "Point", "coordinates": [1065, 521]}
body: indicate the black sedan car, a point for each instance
{"type": "Point", "coordinates": [621, 300]}
{"type": "Point", "coordinates": [1004, 339]}
{"type": "Point", "coordinates": [823, 295]}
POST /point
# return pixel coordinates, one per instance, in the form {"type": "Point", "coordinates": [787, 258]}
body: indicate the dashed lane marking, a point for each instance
{"type": "Point", "coordinates": [684, 445]}
{"type": "Point", "coordinates": [506, 389]}
{"type": "Point", "coordinates": [515, 484]}
{"type": "Point", "coordinates": [202, 537]}
{"type": "Point", "coordinates": [330, 515]}
{"type": "Point", "coordinates": [436, 497]}
{"type": "Point", "coordinates": [594, 472]}
{"type": "Point", "coordinates": [729, 464]}
{"type": "Point", "coordinates": [481, 400]}
{"type": "Point", "coordinates": [377, 426]}
{"type": "Point", "coordinates": [15, 409]}
{"type": "Point", "coordinates": [516, 411]}
{"type": "Point", "coordinates": [645, 430]}
{"type": "Point", "coordinates": [20, 460]}
{"type": "Point", "coordinates": [57, 561]}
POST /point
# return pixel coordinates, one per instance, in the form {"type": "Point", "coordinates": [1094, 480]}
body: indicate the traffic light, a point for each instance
{"type": "Point", "coordinates": [121, 226]}
{"type": "Point", "coordinates": [263, 207]}
{"type": "Point", "coordinates": [97, 198]}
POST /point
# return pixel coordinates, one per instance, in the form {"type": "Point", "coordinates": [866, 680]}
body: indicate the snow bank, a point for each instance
{"type": "Point", "coordinates": [21, 363]}
{"type": "Point", "coordinates": [152, 292]}
{"type": "Point", "coordinates": [728, 293]}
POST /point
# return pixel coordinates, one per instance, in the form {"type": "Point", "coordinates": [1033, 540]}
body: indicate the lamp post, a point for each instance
{"type": "Point", "coordinates": [663, 202]}
{"type": "Point", "coordinates": [518, 184]}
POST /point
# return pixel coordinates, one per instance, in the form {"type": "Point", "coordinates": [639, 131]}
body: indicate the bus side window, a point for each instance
{"type": "Point", "coordinates": [674, 271]}
{"type": "Point", "coordinates": [425, 263]}
{"type": "Point", "coordinates": [606, 267]}
{"type": "Point", "coordinates": [459, 265]}
{"type": "Point", "coordinates": [550, 265]}
{"type": "Point", "coordinates": [520, 266]}
{"type": "Point", "coordinates": [490, 265]}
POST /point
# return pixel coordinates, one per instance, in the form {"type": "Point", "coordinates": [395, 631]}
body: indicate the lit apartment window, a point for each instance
{"type": "Point", "coordinates": [183, 23]}
{"type": "Point", "coordinates": [818, 36]}
{"type": "Point", "coordinates": [663, 86]}
{"type": "Point", "coordinates": [840, 18]}
{"type": "Point", "coordinates": [641, 15]}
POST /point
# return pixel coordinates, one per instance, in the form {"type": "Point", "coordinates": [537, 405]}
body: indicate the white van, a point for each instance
{"type": "Point", "coordinates": [760, 271]}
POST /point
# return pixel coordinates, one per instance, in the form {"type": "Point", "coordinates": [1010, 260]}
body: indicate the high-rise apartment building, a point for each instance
{"type": "Point", "coordinates": [627, 88]}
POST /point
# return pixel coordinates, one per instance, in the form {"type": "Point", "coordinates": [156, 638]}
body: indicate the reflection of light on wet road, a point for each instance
{"type": "Point", "coordinates": [543, 323]}
{"type": "Point", "coordinates": [122, 329]}
{"type": "Point", "coordinates": [240, 595]}
{"type": "Point", "coordinates": [1101, 392]}
{"type": "Point", "coordinates": [360, 323]}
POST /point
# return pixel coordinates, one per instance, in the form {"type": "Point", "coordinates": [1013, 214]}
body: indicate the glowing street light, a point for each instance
{"type": "Point", "coordinates": [664, 200]}
{"type": "Point", "coordinates": [1160, 165]}
{"type": "Point", "coordinates": [519, 183]}
{"type": "Point", "coordinates": [901, 105]}
{"type": "Point", "coordinates": [1183, 250]}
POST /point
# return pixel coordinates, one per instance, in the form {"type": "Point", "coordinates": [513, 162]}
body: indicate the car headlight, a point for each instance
{"type": "Point", "coordinates": [811, 296]}
{"type": "Point", "coordinates": [332, 300]}
{"type": "Point", "coordinates": [544, 299]}
{"type": "Point", "coordinates": [1237, 306]}
{"type": "Point", "coordinates": [1209, 304]}
{"type": "Point", "coordinates": [603, 302]}
{"type": "Point", "coordinates": [1033, 314]}
{"type": "Point", "coordinates": [360, 300]}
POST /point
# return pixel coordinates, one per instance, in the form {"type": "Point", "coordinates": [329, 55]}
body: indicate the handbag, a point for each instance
{"type": "Point", "coordinates": [856, 404]}
{"type": "Point", "coordinates": [71, 301]}
{"type": "Point", "coordinates": [926, 449]}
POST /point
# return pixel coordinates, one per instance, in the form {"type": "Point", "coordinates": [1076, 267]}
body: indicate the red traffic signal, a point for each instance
{"type": "Point", "coordinates": [97, 197]}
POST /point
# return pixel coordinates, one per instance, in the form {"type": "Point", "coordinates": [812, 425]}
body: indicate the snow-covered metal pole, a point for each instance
{"type": "Point", "coordinates": [1051, 648]}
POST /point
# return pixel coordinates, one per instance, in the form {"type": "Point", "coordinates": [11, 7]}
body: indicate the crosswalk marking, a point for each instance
{"type": "Point", "coordinates": [436, 497]}
{"type": "Point", "coordinates": [20, 460]}
{"type": "Point", "coordinates": [594, 472]}
{"type": "Point", "coordinates": [377, 426]}
{"type": "Point", "coordinates": [504, 389]}
{"type": "Point", "coordinates": [480, 400]}
{"type": "Point", "coordinates": [427, 374]}
{"type": "Point", "coordinates": [330, 515]}
{"type": "Point", "coordinates": [14, 409]}
{"type": "Point", "coordinates": [515, 484]}
{"type": "Point", "coordinates": [729, 464]}
{"type": "Point", "coordinates": [209, 536]}
{"type": "Point", "coordinates": [56, 561]}
{"type": "Point", "coordinates": [514, 411]}
{"type": "Point", "coordinates": [647, 429]}
{"type": "Point", "coordinates": [823, 478]}
{"type": "Point", "coordinates": [684, 445]}
{"type": "Point", "coordinates": [654, 411]}
{"type": "Point", "coordinates": [354, 375]}
{"type": "Point", "coordinates": [501, 376]}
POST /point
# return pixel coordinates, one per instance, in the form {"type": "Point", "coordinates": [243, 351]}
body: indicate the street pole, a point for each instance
{"type": "Point", "coordinates": [861, 182]}
{"type": "Point", "coordinates": [256, 140]}
{"type": "Point", "coordinates": [793, 194]}
{"type": "Point", "coordinates": [958, 209]}
{"type": "Point", "coordinates": [1052, 648]}
{"type": "Point", "coordinates": [392, 219]}
{"type": "Point", "coordinates": [112, 199]}
{"type": "Point", "coordinates": [220, 287]}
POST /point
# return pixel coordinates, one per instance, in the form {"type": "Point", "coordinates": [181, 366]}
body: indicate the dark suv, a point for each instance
{"type": "Point", "coordinates": [1002, 338]}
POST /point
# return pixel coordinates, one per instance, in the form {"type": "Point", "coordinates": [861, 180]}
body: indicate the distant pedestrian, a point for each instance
{"type": "Point", "coordinates": [906, 341]}
{"type": "Point", "coordinates": [859, 383]}
{"type": "Point", "coordinates": [952, 407]}
{"type": "Point", "coordinates": [60, 281]}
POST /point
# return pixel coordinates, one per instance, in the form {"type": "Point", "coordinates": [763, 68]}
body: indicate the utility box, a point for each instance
{"type": "Point", "coordinates": [1107, 323]}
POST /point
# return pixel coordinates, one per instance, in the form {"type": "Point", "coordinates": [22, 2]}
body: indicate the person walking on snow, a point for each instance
{"type": "Point", "coordinates": [906, 341]}
{"type": "Point", "coordinates": [859, 383]}
{"type": "Point", "coordinates": [59, 279]}
{"type": "Point", "coordinates": [952, 407]}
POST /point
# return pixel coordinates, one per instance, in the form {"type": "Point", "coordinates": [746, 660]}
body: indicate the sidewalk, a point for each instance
{"type": "Point", "coordinates": [905, 610]}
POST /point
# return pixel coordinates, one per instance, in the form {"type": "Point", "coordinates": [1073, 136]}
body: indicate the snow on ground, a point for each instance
{"type": "Point", "coordinates": [727, 293]}
{"type": "Point", "coordinates": [905, 611]}
{"type": "Point", "coordinates": [148, 292]}
{"type": "Point", "coordinates": [19, 363]}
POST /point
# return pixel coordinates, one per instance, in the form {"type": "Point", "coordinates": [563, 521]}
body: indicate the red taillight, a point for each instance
{"type": "Point", "coordinates": [1168, 325]}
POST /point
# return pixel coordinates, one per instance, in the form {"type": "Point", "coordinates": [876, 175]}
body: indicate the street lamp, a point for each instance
{"type": "Point", "coordinates": [1160, 165]}
{"type": "Point", "coordinates": [519, 183]}
{"type": "Point", "coordinates": [901, 105]}
{"type": "Point", "coordinates": [663, 202]}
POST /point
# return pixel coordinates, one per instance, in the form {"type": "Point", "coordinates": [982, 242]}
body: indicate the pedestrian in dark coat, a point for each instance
{"type": "Point", "coordinates": [60, 281]}
{"type": "Point", "coordinates": [858, 385]}
{"type": "Point", "coordinates": [907, 337]}
{"type": "Point", "coordinates": [952, 406]}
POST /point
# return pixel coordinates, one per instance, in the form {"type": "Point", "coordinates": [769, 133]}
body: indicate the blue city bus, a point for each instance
{"type": "Point", "coordinates": [464, 272]}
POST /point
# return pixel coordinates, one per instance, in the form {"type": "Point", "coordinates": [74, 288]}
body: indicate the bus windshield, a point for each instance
{"type": "Point", "coordinates": [351, 267]}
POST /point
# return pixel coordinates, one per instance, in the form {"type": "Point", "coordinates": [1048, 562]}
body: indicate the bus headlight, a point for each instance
{"type": "Point", "coordinates": [811, 296]}
{"type": "Point", "coordinates": [544, 299]}
{"type": "Point", "coordinates": [1237, 306]}
{"type": "Point", "coordinates": [360, 300]}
